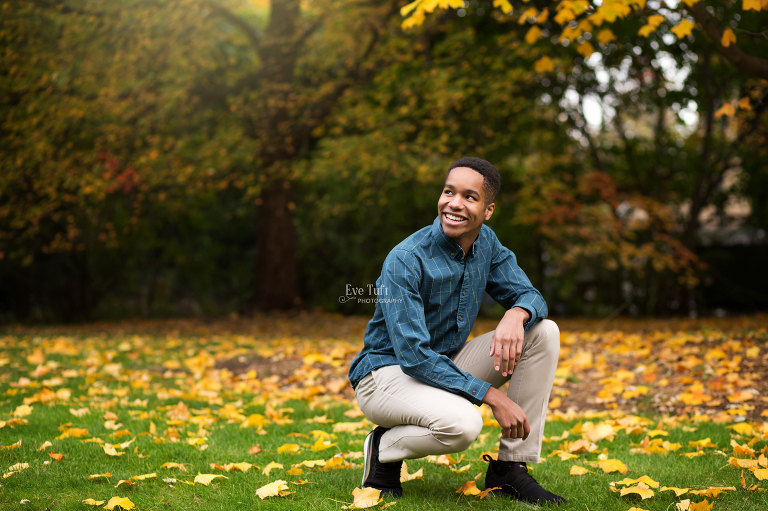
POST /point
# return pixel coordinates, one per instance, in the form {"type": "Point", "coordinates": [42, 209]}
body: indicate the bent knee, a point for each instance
{"type": "Point", "coordinates": [458, 429]}
{"type": "Point", "coordinates": [551, 334]}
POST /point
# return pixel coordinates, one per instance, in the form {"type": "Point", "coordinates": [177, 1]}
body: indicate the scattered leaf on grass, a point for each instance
{"type": "Point", "coordinates": [484, 493]}
{"type": "Point", "coordinates": [206, 479]}
{"type": "Point", "coordinates": [405, 476]}
{"type": "Point", "coordinates": [641, 489]}
{"type": "Point", "coordinates": [678, 491]}
{"type": "Point", "coordinates": [44, 445]}
{"type": "Point", "coordinates": [171, 464]}
{"type": "Point", "coordinates": [469, 488]}
{"type": "Point", "coordinates": [13, 446]}
{"type": "Point", "coordinates": [288, 448]}
{"type": "Point", "coordinates": [255, 449]}
{"type": "Point", "coordinates": [269, 467]}
{"type": "Point", "coordinates": [294, 471]}
{"type": "Point", "coordinates": [122, 502]}
{"type": "Point", "coordinates": [713, 491]}
{"type": "Point", "coordinates": [761, 473]}
{"type": "Point", "coordinates": [96, 476]}
{"type": "Point", "coordinates": [276, 489]}
{"type": "Point", "coordinates": [644, 479]}
{"type": "Point", "coordinates": [92, 502]}
{"type": "Point", "coordinates": [57, 457]}
{"type": "Point", "coordinates": [145, 476]}
{"type": "Point", "coordinates": [579, 471]}
{"type": "Point", "coordinates": [364, 498]}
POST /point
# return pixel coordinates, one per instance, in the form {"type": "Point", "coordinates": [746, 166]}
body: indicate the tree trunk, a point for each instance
{"type": "Point", "coordinates": [276, 280]}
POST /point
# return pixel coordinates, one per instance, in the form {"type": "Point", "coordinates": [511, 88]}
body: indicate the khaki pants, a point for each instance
{"type": "Point", "coordinates": [426, 420]}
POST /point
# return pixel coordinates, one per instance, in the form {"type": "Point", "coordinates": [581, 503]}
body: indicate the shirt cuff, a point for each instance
{"type": "Point", "coordinates": [477, 390]}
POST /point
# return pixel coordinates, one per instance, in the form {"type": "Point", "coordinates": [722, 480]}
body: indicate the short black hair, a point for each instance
{"type": "Point", "coordinates": [491, 177]}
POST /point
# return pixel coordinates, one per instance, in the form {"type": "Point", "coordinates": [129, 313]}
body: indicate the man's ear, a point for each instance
{"type": "Point", "coordinates": [489, 210]}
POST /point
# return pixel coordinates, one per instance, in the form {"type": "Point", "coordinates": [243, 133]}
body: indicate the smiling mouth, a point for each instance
{"type": "Point", "coordinates": [454, 218]}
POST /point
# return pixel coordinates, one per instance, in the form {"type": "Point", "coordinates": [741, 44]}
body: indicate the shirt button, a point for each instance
{"type": "Point", "coordinates": [452, 254]}
{"type": "Point", "coordinates": [464, 293]}
{"type": "Point", "coordinates": [474, 392]}
{"type": "Point", "coordinates": [459, 318]}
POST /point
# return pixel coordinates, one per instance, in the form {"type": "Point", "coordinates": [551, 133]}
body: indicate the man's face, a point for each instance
{"type": "Point", "coordinates": [462, 207]}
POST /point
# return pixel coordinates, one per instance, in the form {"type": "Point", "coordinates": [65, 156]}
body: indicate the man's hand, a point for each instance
{"type": "Point", "coordinates": [514, 423]}
{"type": "Point", "coordinates": [507, 341]}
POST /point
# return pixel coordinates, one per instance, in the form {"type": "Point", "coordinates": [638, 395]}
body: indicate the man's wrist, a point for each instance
{"type": "Point", "coordinates": [519, 312]}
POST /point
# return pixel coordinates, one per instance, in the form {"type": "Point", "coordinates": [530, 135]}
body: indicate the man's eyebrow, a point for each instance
{"type": "Point", "coordinates": [470, 190]}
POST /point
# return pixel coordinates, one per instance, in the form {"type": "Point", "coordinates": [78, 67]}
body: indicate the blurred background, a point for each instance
{"type": "Point", "coordinates": [207, 158]}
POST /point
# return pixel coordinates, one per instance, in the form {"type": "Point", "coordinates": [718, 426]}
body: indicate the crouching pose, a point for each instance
{"type": "Point", "coordinates": [419, 380]}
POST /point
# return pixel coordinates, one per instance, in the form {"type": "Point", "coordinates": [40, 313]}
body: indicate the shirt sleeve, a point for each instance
{"type": "Point", "coordinates": [510, 286]}
{"type": "Point", "coordinates": [407, 328]}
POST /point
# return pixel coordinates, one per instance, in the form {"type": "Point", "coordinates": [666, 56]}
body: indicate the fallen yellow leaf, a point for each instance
{"type": "Point", "coordinates": [643, 479]}
{"type": "Point", "coordinates": [276, 489]}
{"type": "Point", "coordinates": [641, 489]}
{"type": "Point", "coordinates": [405, 476]}
{"type": "Point", "coordinates": [678, 491]}
{"type": "Point", "coordinates": [289, 448]}
{"type": "Point", "coordinates": [469, 488]}
{"type": "Point", "coordinates": [170, 464]}
{"type": "Point", "coordinates": [206, 479]}
{"type": "Point", "coordinates": [269, 467]}
{"type": "Point", "coordinates": [92, 502]}
{"type": "Point", "coordinates": [119, 502]}
{"type": "Point", "coordinates": [365, 497]}
{"type": "Point", "coordinates": [579, 471]}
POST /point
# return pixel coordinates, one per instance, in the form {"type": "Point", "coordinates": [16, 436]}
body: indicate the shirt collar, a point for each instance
{"type": "Point", "coordinates": [448, 244]}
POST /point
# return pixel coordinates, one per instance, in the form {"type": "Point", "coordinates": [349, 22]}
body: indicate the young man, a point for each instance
{"type": "Point", "coordinates": [419, 380]}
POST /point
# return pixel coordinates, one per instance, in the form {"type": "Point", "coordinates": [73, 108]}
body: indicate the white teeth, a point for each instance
{"type": "Point", "coordinates": [454, 218]}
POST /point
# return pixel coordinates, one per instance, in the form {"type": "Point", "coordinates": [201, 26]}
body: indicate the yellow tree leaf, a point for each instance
{"type": "Point", "coordinates": [110, 450]}
{"type": "Point", "coordinates": [640, 489]}
{"type": "Point", "coordinates": [579, 471]}
{"type": "Point", "coordinates": [57, 457]}
{"type": "Point", "coordinates": [713, 491]}
{"type": "Point", "coordinates": [320, 445]}
{"type": "Point", "coordinates": [683, 29]}
{"type": "Point", "coordinates": [276, 489]}
{"type": "Point", "coordinates": [728, 38]}
{"type": "Point", "coordinates": [312, 463]}
{"type": "Point", "coordinates": [644, 479]}
{"type": "Point", "coordinates": [701, 506]}
{"type": "Point", "coordinates": [121, 502]}
{"type": "Point", "coordinates": [678, 491]}
{"type": "Point", "coordinates": [294, 471]}
{"type": "Point", "coordinates": [544, 64]}
{"type": "Point", "coordinates": [585, 49]}
{"type": "Point", "coordinates": [170, 464]}
{"type": "Point", "coordinates": [205, 479]}
{"type": "Point", "coordinates": [145, 476]}
{"type": "Point", "coordinates": [485, 492]}
{"type": "Point", "coordinates": [504, 5]}
{"type": "Point", "coordinates": [744, 105]}
{"type": "Point", "coordinates": [469, 488]}
{"type": "Point", "coordinates": [533, 34]}
{"type": "Point", "coordinates": [365, 497]}
{"type": "Point", "coordinates": [761, 473]}
{"type": "Point", "coordinates": [605, 36]}
{"type": "Point", "coordinates": [752, 5]}
{"type": "Point", "coordinates": [269, 467]}
{"type": "Point", "coordinates": [609, 466]}
{"type": "Point", "coordinates": [125, 481]}
{"type": "Point", "coordinates": [242, 467]}
{"type": "Point", "coordinates": [405, 476]}
{"type": "Point", "coordinates": [44, 445]}
{"type": "Point", "coordinates": [22, 411]}
{"type": "Point", "coordinates": [726, 109]}
{"type": "Point", "coordinates": [92, 502]}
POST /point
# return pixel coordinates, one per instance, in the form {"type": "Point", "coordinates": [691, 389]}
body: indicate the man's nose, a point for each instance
{"type": "Point", "coordinates": [455, 202]}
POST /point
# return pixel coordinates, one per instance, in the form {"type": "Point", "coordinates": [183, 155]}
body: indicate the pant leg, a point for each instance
{"type": "Point", "coordinates": [423, 419]}
{"type": "Point", "coordinates": [529, 386]}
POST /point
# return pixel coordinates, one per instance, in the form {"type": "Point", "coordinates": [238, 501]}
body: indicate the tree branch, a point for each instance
{"type": "Point", "coordinates": [238, 22]}
{"type": "Point", "coordinates": [747, 64]}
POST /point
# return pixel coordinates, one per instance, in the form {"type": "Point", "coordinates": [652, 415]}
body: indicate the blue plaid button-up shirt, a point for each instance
{"type": "Point", "coordinates": [428, 295]}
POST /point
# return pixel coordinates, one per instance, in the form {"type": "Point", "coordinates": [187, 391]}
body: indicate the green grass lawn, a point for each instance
{"type": "Point", "coordinates": [142, 378]}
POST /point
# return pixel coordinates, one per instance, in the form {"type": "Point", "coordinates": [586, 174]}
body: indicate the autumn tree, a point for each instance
{"type": "Point", "coordinates": [128, 105]}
